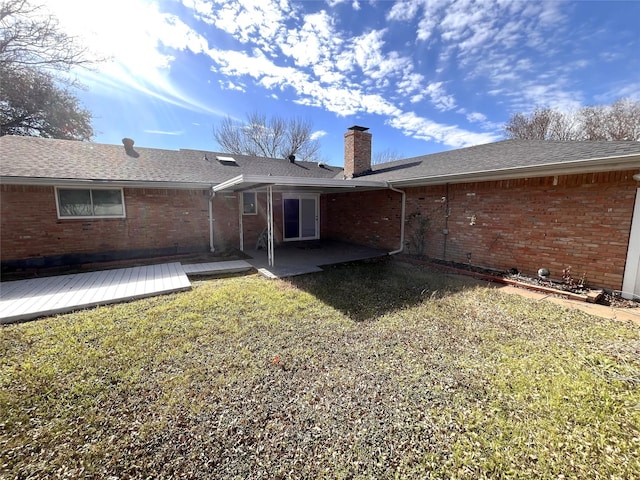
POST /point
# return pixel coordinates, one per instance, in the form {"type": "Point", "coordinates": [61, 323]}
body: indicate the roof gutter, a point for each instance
{"type": "Point", "coordinates": [402, 214]}
{"type": "Point", "coordinates": [250, 181]}
{"type": "Point", "coordinates": [627, 162]}
{"type": "Point", "coordinates": [74, 182]}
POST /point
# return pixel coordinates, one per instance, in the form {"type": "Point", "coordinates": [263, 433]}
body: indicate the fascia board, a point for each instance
{"type": "Point", "coordinates": [243, 181]}
{"type": "Point", "coordinates": [64, 182]}
{"type": "Point", "coordinates": [628, 162]}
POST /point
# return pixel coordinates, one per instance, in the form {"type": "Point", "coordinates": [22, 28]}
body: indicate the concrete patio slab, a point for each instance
{"type": "Point", "coordinates": [212, 268]}
{"type": "Point", "coordinates": [299, 258]}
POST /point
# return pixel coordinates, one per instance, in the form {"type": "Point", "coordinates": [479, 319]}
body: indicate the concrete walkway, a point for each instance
{"type": "Point", "coordinates": [603, 311]}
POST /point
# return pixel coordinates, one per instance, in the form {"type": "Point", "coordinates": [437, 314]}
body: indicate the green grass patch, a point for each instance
{"type": "Point", "coordinates": [380, 370]}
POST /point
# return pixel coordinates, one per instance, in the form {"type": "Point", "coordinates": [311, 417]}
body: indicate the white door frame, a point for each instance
{"type": "Point", "coordinates": [631, 281]}
{"type": "Point", "coordinates": [300, 197]}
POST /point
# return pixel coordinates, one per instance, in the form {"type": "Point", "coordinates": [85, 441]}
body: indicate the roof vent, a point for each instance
{"type": "Point", "coordinates": [226, 160]}
{"type": "Point", "coordinates": [292, 158]}
{"type": "Point", "coordinates": [128, 147]}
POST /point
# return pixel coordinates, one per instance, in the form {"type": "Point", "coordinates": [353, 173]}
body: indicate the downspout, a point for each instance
{"type": "Point", "coordinates": [404, 199]}
{"type": "Point", "coordinates": [446, 222]}
{"type": "Point", "coordinates": [240, 221]}
{"type": "Point", "coordinates": [212, 249]}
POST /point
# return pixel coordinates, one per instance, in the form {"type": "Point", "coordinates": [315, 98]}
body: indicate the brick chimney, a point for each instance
{"type": "Point", "coordinates": [357, 151]}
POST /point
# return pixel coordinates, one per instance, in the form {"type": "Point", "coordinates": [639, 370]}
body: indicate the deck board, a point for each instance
{"type": "Point", "coordinates": [27, 299]}
{"type": "Point", "coordinates": [39, 297]}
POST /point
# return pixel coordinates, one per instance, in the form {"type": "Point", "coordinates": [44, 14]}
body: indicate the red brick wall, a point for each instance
{"type": "Point", "coordinates": [225, 224]}
{"type": "Point", "coordinates": [357, 153]}
{"type": "Point", "coordinates": [226, 227]}
{"type": "Point", "coordinates": [364, 218]}
{"type": "Point", "coordinates": [155, 219]}
{"type": "Point", "coordinates": [582, 221]}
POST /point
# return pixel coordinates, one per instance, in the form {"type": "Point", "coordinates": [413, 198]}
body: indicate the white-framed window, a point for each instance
{"type": "Point", "coordinates": [90, 202]}
{"type": "Point", "coordinates": [249, 203]}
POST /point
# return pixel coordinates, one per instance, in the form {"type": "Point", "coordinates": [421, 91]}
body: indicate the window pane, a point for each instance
{"type": "Point", "coordinates": [291, 218]}
{"type": "Point", "coordinates": [74, 203]}
{"type": "Point", "coordinates": [308, 226]}
{"type": "Point", "coordinates": [107, 202]}
{"type": "Point", "coordinates": [249, 202]}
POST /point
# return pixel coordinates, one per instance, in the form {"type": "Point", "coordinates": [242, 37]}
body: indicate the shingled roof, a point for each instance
{"type": "Point", "coordinates": [48, 159]}
{"type": "Point", "coordinates": [32, 159]}
{"type": "Point", "coordinates": [510, 159]}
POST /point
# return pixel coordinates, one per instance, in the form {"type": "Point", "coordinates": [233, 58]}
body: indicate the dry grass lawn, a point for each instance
{"type": "Point", "coordinates": [380, 370]}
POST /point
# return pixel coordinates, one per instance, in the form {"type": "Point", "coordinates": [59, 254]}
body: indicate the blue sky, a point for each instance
{"type": "Point", "coordinates": [423, 75]}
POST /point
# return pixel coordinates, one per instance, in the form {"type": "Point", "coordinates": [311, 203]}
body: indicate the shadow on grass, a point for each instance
{"type": "Point", "coordinates": [369, 289]}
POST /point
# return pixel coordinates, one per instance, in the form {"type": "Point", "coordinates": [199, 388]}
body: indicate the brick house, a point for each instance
{"type": "Point", "coordinates": [510, 204]}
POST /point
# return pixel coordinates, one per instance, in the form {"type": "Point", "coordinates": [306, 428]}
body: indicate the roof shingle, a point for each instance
{"type": "Point", "coordinates": [45, 158]}
{"type": "Point", "coordinates": [501, 156]}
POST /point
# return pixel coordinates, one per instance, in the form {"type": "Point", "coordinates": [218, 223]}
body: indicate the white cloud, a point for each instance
{"type": "Point", "coordinates": [164, 132]}
{"type": "Point", "coordinates": [418, 127]}
{"type": "Point", "coordinates": [439, 97]}
{"type": "Point", "coordinates": [318, 134]}
{"type": "Point", "coordinates": [325, 66]}
{"type": "Point", "coordinates": [247, 20]}
{"type": "Point", "coordinates": [404, 10]}
{"type": "Point", "coordinates": [304, 55]}
{"type": "Point", "coordinates": [228, 85]}
{"type": "Point", "coordinates": [476, 117]}
{"type": "Point", "coordinates": [315, 41]}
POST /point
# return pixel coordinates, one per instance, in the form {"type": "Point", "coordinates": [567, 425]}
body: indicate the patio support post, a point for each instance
{"type": "Point", "coordinates": [270, 224]}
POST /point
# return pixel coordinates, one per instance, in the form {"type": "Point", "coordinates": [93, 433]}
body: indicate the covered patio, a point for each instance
{"type": "Point", "coordinates": [300, 248]}
{"type": "Point", "coordinates": [298, 258]}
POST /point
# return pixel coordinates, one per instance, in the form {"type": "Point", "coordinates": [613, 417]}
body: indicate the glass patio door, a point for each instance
{"type": "Point", "coordinates": [300, 217]}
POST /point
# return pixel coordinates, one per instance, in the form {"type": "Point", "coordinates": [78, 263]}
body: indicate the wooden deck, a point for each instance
{"type": "Point", "coordinates": [37, 297]}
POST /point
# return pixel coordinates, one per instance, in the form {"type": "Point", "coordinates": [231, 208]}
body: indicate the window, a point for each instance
{"type": "Point", "coordinates": [249, 206]}
{"type": "Point", "coordinates": [90, 202]}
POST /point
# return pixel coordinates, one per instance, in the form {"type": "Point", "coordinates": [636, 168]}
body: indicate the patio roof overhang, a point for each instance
{"type": "Point", "coordinates": [255, 182]}
{"type": "Point", "coordinates": [272, 184]}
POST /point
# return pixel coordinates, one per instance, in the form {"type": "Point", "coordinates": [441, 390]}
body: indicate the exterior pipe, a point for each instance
{"type": "Point", "coordinates": [404, 199]}
{"type": "Point", "coordinates": [240, 221]}
{"type": "Point", "coordinates": [212, 249]}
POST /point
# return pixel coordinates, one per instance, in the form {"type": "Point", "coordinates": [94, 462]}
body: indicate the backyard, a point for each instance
{"type": "Point", "coordinates": [377, 370]}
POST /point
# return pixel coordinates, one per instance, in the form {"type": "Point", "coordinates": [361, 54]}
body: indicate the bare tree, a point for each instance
{"type": "Point", "coordinates": [618, 121]}
{"type": "Point", "coordinates": [530, 127]}
{"type": "Point", "coordinates": [273, 137]}
{"type": "Point", "coordinates": [622, 120]}
{"type": "Point", "coordinates": [33, 51]}
{"type": "Point", "coordinates": [29, 37]}
{"type": "Point", "coordinates": [385, 156]}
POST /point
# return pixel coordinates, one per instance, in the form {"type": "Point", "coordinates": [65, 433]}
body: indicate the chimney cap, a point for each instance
{"type": "Point", "coordinates": [358, 128]}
